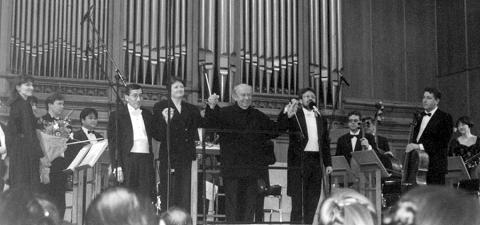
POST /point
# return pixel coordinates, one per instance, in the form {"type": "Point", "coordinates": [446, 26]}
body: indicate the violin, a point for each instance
{"type": "Point", "coordinates": [415, 164]}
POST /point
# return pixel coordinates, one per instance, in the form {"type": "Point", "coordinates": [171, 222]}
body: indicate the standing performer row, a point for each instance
{"type": "Point", "coordinates": [246, 132]}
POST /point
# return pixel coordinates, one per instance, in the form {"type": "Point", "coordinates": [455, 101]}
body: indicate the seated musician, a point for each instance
{"type": "Point", "coordinates": [353, 140]}
{"type": "Point", "coordinates": [466, 145]}
{"type": "Point", "coordinates": [383, 146]}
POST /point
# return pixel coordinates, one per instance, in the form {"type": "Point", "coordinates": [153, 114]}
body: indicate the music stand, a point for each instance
{"type": "Point", "coordinates": [456, 170]}
{"type": "Point", "coordinates": [88, 176]}
{"type": "Point", "coordinates": [341, 171]}
{"type": "Point", "coordinates": [372, 170]}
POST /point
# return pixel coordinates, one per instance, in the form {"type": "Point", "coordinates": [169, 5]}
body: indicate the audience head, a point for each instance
{"type": "Point", "coordinates": [23, 86]}
{"type": "Point", "coordinates": [431, 98]}
{"type": "Point", "coordinates": [89, 118]}
{"type": "Point", "coordinates": [55, 104]}
{"type": "Point", "coordinates": [242, 94]}
{"type": "Point", "coordinates": [175, 216]}
{"type": "Point", "coordinates": [464, 124]}
{"type": "Point", "coordinates": [177, 87]}
{"type": "Point", "coordinates": [22, 207]}
{"type": "Point", "coordinates": [306, 96]}
{"type": "Point", "coordinates": [434, 205]}
{"type": "Point", "coordinates": [133, 95]}
{"type": "Point", "coordinates": [354, 120]}
{"type": "Point", "coordinates": [347, 207]}
{"type": "Point", "coordinates": [120, 206]}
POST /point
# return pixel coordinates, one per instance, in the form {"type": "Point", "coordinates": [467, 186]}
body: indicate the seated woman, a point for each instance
{"type": "Point", "coordinates": [466, 145]}
{"type": "Point", "coordinates": [434, 205]}
{"type": "Point", "coordinates": [346, 207]}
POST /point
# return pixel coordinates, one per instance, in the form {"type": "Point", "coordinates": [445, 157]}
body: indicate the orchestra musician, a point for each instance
{"type": "Point", "coordinates": [432, 134]}
{"type": "Point", "coordinates": [466, 145]}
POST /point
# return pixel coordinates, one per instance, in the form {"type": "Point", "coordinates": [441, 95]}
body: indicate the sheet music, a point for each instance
{"type": "Point", "coordinates": [94, 154]}
{"type": "Point", "coordinates": [81, 154]}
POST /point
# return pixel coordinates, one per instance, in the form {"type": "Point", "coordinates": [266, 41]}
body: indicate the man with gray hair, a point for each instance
{"type": "Point", "coordinates": [246, 129]}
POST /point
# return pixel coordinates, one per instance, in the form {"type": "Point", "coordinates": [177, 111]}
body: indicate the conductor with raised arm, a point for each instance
{"type": "Point", "coordinates": [246, 130]}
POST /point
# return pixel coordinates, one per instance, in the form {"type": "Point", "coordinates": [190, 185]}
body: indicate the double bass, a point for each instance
{"type": "Point", "coordinates": [378, 117]}
{"type": "Point", "coordinates": [415, 165]}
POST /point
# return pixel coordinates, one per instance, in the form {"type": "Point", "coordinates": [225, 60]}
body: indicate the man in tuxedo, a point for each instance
{"type": "Point", "coordinates": [354, 141]}
{"type": "Point", "coordinates": [309, 146]}
{"type": "Point", "coordinates": [89, 120]}
{"type": "Point", "coordinates": [432, 133]}
{"type": "Point", "coordinates": [130, 131]}
{"type": "Point", "coordinates": [58, 178]}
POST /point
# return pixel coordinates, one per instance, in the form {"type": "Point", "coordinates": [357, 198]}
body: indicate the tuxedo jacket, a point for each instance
{"type": "Point", "coordinates": [298, 140]}
{"type": "Point", "coordinates": [73, 150]}
{"type": "Point", "coordinates": [119, 156]}
{"type": "Point", "coordinates": [435, 139]}
{"type": "Point", "coordinates": [344, 145]}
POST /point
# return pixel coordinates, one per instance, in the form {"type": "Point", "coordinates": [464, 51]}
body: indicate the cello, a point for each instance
{"type": "Point", "coordinates": [415, 164]}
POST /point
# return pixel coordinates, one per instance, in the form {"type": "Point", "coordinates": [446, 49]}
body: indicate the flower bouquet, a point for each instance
{"type": "Point", "coordinates": [53, 137]}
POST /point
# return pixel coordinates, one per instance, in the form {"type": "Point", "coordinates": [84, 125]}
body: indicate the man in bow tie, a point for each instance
{"type": "Point", "coordinates": [308, 146]}
{"type": "Point", "coordinates": [89, 121]}
{"type": "Point", "coordinates": [130, 131]}
{"type": "Point", "coordinates": [432, 133]}
{"type": "Point", "coordinates": [354, 140]}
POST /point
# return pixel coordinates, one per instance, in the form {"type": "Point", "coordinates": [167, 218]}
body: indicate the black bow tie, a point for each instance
{"type": "Point", "coordinates": [426, 114]}
{"type": "Point", "coordinates": [91, 132]}
{"type": "Point", "coordinates": [352, 136]}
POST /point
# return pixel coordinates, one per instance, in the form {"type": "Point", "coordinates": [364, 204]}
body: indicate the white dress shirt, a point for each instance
{"type": "Point", "coordinates": [140, 138]}
{"type": "Point", "coordinates": [311, 121]}
{"type": "Point", "coordinates": [354, 139]}
{"type": "Point", "coordinates": [91, 137]}
{"type": "Point", "coordinates": [3, 146]}
{"type": "Point", "coordinates": [424, 123]}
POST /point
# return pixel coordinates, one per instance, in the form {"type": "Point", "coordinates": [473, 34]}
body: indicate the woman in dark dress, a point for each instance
{"type": "Point", "coordinates": [466, 145]}
{"type": "Point", "coordinates": [184, 121]}
{"type": "Point", "coordinates": [23, 147]}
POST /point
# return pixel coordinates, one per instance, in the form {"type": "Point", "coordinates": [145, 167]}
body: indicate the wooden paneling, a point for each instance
{"type": "Point", "coordinates": [454, 94]}
{"type": "Point", "coordinates": [388, 49]}
{"type": "Point", "coordinates": [451, 36]}
{"type": "Point", "coordinates": [473, 33]}
{"type": "Point", "coordinates": [474, 94]}
{"type": "Point", "coordinates": [357, 49]}
{"type": "Point", "coordinates": [421, 60]}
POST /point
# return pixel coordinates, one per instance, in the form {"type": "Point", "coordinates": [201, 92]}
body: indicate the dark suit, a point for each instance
{"type": "Point", "coordinates": [241, 156]}
{"type": "Point", "coordinates": [344, 145]}
{"type": "Point", "coordinates": [73, 150]}
{"type": "Point", "coordinates": [435, 140]}
{"type": "Point", "coordinates": [183, 134]}
{"type": "Point", "coordinates": [304, 168]}
{"type": "Point", "coordinates": [138, 168]}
